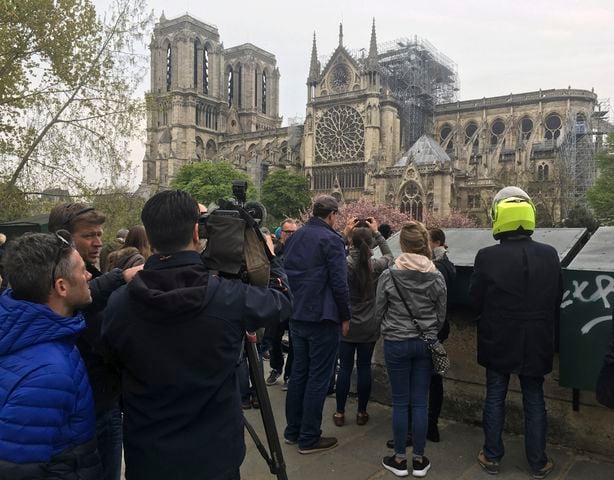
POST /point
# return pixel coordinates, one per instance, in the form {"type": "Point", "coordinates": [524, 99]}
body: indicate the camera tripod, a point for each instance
{"type": "Point", "coordinates": [275, 458]}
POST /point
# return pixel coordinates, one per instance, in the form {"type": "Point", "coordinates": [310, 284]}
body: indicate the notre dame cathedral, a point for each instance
{"type": "Point", "coordinates": [382, 122]}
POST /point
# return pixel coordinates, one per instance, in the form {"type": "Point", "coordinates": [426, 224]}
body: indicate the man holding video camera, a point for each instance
{"type": "Point", "coordinates": [176, 332]}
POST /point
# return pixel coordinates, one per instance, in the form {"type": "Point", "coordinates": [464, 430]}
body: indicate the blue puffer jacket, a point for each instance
{"type": "Point", "coordinates": [47, 422]}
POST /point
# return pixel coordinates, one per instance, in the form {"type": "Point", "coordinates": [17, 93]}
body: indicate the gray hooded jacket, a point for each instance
{"type": "Point", "coordinates": [424, 290]}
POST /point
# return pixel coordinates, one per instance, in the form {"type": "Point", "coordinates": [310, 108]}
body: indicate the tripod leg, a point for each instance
{"type": "Point", "coordinates": [276, 465]}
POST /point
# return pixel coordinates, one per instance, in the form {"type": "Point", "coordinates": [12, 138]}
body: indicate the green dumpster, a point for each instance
{"type": "Point", "coordinates": [15, 228]}
{"type": "Point", "coordinates": [586, 311]}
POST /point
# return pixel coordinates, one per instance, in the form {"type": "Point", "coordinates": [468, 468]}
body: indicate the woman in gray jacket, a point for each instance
{"type": "Point", "coordinates": [407, 356]}
{"type": "Point", "coordinates": [363, 272]}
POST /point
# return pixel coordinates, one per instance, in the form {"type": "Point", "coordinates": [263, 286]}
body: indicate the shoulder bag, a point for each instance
{"type": "Point", "coordinates": [441, 361]}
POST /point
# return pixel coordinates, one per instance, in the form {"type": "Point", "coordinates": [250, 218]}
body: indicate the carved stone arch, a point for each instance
{"type": "Point", "coordinates": [237, 156]}
{"type": "Point", "coordinates": [251, 154]}
{"type": "Point", "coordinates": [283, 152]}
{"type": "Point", "coordinates": [210, 149]}
{"type": "Point", "coordinates": [199, 151]}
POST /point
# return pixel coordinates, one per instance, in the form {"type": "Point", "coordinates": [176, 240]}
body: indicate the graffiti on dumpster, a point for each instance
{"type": "Point", "coordinates": [584, 292]}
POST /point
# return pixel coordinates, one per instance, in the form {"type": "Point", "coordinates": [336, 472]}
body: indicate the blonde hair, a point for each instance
{"type": "Point", "coordinates": [2, 238]}
{"type": "Point", "coordinates": [414, 238]}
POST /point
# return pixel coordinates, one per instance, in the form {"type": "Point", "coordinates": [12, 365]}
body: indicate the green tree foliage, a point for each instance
{"type": "Point", "coordinates": [13, 203]}
{"type": "Point", "coordinates": [67, 89]}
{"type": "Point", "coordinates": [207, 182]}
{"type": "Point", "coordinates": [285, 194]}
{"type": "Point", "coordinates": [601, 195]}
{"type": "Point", "coordinates": [122, 209]}
{"type": "Point", "coordinates": [581, 217]}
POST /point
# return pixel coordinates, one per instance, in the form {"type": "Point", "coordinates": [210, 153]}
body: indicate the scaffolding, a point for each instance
{"type": "Point", "coordinates": [419, 77]}
{"type": "Point", "coordinates": [582, 139]}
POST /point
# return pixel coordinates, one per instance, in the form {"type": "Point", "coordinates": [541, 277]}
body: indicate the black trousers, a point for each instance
{"type": "Point", "coordinates": [435, 401]}
{"type": "Point", "coordinates": [277, 356]}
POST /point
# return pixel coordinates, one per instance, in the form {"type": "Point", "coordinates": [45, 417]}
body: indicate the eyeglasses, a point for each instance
{"type": "Point", "coordinates": [63, 245]}
{"type": "Point", "coordinates": [288, 231]}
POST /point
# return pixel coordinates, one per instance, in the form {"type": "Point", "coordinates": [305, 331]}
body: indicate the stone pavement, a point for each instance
{"type": "Point", "coordinates": [359, 453]}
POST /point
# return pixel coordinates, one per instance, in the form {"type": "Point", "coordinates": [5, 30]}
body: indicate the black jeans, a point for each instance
{"type": "Point", "coordinates": [363, 352]}
{"type": "Point", "coordinates": [277, 356]}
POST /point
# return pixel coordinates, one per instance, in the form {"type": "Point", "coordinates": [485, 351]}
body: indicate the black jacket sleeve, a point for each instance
{"type": "Point", "coordinates": [477, 288]}
{"type": "Point", "coordinates": [102, 287]}
{"type": "Point", "coordinates": [264, 306]}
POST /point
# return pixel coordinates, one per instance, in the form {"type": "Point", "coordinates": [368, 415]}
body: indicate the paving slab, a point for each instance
{"type": "Point", "coordinates": [361, 448]}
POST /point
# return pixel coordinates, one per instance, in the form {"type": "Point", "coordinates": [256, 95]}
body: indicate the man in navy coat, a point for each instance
{"type": "Point", "coordinates": [314, 260]}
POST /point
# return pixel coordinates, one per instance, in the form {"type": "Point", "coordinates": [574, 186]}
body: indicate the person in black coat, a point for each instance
{"type": "Point", "coordinates": [176, 333]}
{"type": "Point", "coordinates": [605, 382]}
{"type": "Point", "coordinates": [516, 288]}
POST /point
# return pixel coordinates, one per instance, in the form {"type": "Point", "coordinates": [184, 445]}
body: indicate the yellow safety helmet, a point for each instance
{"type": "Point", "coordinates": [512, 211]}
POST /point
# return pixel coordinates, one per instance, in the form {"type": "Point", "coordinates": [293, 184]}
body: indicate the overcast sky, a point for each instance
{"type": "Point", "coordinates": [499, 46]}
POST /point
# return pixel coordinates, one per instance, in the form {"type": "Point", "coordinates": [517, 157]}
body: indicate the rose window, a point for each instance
{"type": "Point", "coordinates": [340, 136]}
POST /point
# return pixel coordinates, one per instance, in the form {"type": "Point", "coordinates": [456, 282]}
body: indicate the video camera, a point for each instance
{"type": "Point", "coordinates": [236, 248]}
{"type": "Point", "coordinates": [235, 245]}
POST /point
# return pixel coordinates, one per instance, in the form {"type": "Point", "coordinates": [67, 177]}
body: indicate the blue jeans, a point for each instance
{"type": "Point", "coordinates": [109, 437]}
{"type": "Point", "coordinates": [364, 352]}
{"type": "Point", "coordinates": [409, 367]}
{"type": "Point", "coordinates": [315, 349]}
{"type": "Point", "coordinates": [535, 421]}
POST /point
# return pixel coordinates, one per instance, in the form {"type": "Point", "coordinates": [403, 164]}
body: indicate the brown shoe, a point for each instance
{"type": "Point", "coordinates": [339, 419]}
{"type": "Point", "coordinates": [362, 418]}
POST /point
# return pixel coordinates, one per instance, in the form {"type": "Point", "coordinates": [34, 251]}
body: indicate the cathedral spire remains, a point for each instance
{"type": "Point", "coordinates": [373, 44]}
{"type": "Point", "coordinates": [314, 66]}
{"type": "Point", "coordinates": [341, 34]}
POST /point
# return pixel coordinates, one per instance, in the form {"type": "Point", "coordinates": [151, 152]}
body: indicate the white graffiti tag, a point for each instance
{"type": "Point", "coordinates": [596, 321]}
{"type": "Point", "coordinates": [604, 286]}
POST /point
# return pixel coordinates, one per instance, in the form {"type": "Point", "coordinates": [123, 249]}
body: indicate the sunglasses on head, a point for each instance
{"type": "Point", "coordinates": [64, 244]}
{"type": "Point", "coordinates": [68, 216]}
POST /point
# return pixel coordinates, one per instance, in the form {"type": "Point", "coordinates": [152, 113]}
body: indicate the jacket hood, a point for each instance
{"type": "Point", "coordinates": [414, 261]}
{"type": "Point", "coordinates": [23, 324]}
{"type": "Point", "coordinates": [174, 284]}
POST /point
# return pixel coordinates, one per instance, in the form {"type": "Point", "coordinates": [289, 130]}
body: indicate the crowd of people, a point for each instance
{"type": "Point", "coordinates": [136, 347]}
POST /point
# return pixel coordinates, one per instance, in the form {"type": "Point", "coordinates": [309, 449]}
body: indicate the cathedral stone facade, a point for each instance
{"type": "Point", "coordinates": [371, 128]}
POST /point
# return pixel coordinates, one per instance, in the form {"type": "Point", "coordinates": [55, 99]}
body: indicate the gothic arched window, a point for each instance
{"type": "Point", "coordinates": [256, 89]}
{"type": "Point", "coordinates": [230, 86]}
{"type": "Point", "coordinates": [543, 171]}
{"type": "Point", "coordinates": [196, 49]}
{"type": "Point", "coordinates": [264, 91]}
{"type": "Point", "coordinates": [169, 64]}
{"type": "Point", "coordinates": [239, 86]}
{"type": "Point", "coordinates": [553, 124]}
{"type": "Point", "coordinates": [206, 70]}
{"type": "Point", "coordinates": [411, 201]}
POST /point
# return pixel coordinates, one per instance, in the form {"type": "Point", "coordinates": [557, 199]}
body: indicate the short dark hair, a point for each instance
{"type": "Point", "coordinates": [323, 205]}
{"type": "Point", "coordinates": [29, 263]}
{"type": "Point", "coordinates": [66, 216]}
{"type": "Point", "coordinates": [169, 218]}
{"type": "Point", "coordinates": [437, 235]}
{"type": "Point", "coordinates": [385, 230]}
